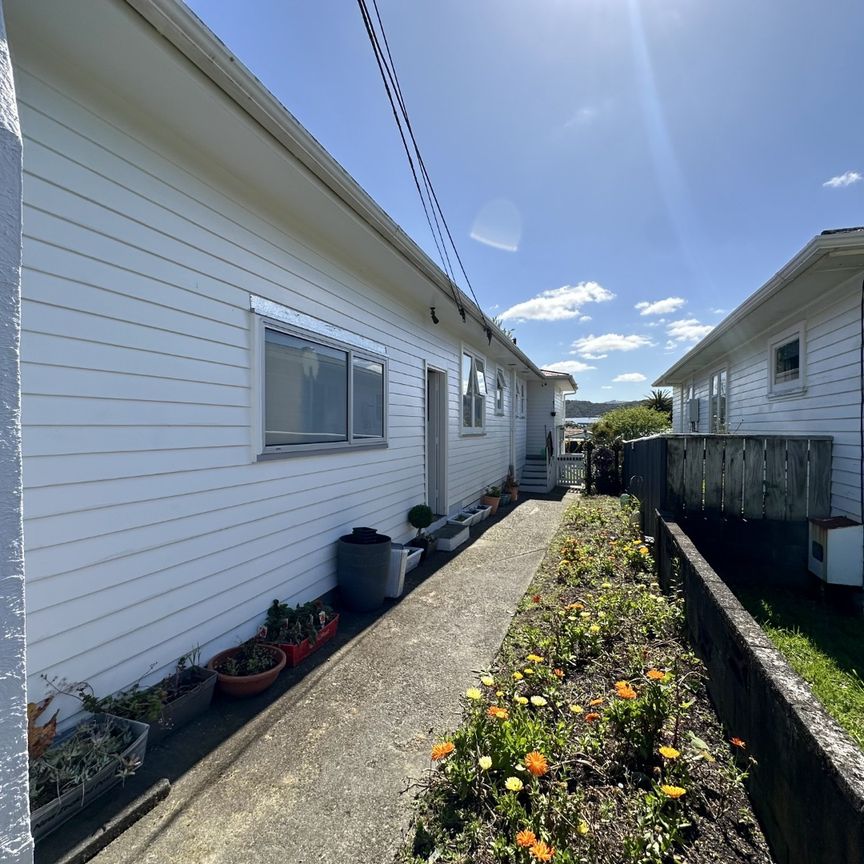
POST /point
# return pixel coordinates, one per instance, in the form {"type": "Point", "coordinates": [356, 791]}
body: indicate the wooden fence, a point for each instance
{"type": "Point", "coordinates": [735, 476]}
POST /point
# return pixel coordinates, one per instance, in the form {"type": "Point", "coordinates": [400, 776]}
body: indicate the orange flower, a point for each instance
{"type": "Point", "coordinates": [558, 673]}
{"type": "Point", "coordinates": [578, 607]}
{"type": "Point", "coordinates": [737, 742]}
{"type": "Point", "coordinates": [439, 751]}
{"type": "Point", "coordinates": [535, 762]}
{"type": "Point", "coordinates": [497, 713]}
{"type": "Point", "coordinates": [591, 717]}
{"type": "Point", "coordinates": [596, 701]}
{"type": "Point", "coordinates": [536, 598]}
{"type": "Point", "coordinates": [526, 838]}
{"type": "Point", "coordinates": [541, 852]}
{"type": "Point", "coordinates": [624, 690]}
{"type": "Point", "coordinates": [655, 674]}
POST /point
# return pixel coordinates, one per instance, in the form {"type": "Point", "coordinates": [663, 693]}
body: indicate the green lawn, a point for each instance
{"type": "Point", "coordinates": [823, 645]}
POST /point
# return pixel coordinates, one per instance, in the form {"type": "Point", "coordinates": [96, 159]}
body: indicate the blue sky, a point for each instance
{"type": "Point", "coordinates": [590, 155]}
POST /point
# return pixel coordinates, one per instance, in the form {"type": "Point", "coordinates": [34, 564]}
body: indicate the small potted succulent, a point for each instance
{"type": "Point", "coordinates": [248, 669]}
{"type": "Point", "coordinates": [70, 771]}
{"type": "Point", "coordinates": [302, 630]}
{"type": "Point", "coordinates": [420, 516]}
{"type": "Point", "coordinates": [492, 498]}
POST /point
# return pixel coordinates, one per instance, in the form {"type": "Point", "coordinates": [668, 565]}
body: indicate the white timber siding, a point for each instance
{"type": "Point", "coordinates": [148, 526]}
{"type": "Point", "coordinates": [541, 404]}
{"type": "Point", "coordinates": [521, 434]}
{"type": "Point", "coordinates": [831, 402]}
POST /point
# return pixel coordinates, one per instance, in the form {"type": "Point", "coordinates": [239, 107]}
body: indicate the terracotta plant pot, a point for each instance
{"type": "Point", "coordinates": [491, 502]}
{"type": "Point", "coordinates": [242, 686]}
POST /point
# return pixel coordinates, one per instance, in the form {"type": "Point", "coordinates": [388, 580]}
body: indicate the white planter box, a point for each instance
{"type": "Point", "coordinates": [396, 575]}
{"type": "Point", "coordinates": [473, 514]}
{"type": "Point", "coordinates": [452, 536]}
{"type": "Point", "coordinates": [485, 511]}
{"type": "Point", "coordinates": [414, 556]}
{"type": "Point", "coordinates": [461, 519]}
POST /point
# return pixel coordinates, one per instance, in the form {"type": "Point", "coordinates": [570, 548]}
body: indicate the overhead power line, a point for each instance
{"type": "Point", "coordinates": [431, 204]}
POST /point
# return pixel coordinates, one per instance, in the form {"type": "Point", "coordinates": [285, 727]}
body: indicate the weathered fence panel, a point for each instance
{"type": "Point", "coordinates": [731, 476]}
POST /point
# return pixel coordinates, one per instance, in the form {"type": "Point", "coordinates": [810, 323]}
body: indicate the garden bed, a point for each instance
{"type": "Point", "coordinates": [592, 739]}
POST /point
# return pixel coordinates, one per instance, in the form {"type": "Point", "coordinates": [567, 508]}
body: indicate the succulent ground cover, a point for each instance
{"type": "Point", "coordinates": [592, 739]}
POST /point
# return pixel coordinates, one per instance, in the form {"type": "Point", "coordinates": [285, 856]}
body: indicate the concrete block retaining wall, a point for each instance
{"type": "Point", "coordinates": [807, 787]}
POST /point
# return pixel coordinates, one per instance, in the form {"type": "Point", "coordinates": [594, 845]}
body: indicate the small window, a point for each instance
{"type": "Point", "coordinates": [319, 395]}
{"type": "Point", "coordinates": [500, 386]}
{"type": "Point", "coordinates": [786, 363]}
{"type": "Point", "coordinates": [473, 393]}
{"type": "Point", "coordinates": [520, 398]}
{"type": "Point", "coordinates": [717, 401]}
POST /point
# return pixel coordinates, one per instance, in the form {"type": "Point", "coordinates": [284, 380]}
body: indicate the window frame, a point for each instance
{"type": "Point", "coordinates": [500, 388]}
{"type": "Point", "coordinates": [519, 398]}
{"type": "Point", "coordinates": [713, 425]}
{"type": "Point", "coordinates": [471, 430]}
{"type": "Point", "coordinates": [263, 451]}
{"type": "Point", "coordinates": [778, 389]}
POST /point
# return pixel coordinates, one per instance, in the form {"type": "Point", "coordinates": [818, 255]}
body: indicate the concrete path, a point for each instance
{"type": "Point", "coordinates": [319, 775]}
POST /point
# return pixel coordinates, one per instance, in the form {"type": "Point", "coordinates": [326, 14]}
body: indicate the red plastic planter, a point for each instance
{"type": "Point", "coordinates": [296, 654]}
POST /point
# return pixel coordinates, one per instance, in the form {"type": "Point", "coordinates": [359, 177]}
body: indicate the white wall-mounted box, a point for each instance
{"type": "Point", "coordinates": [834, 551]}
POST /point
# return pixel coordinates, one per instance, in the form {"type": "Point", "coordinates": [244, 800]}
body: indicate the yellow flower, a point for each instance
{"type": "Point", "coordinates": [605, 584]}
{"type": "Point", "coordinates": [538, 701]}
{"type": "Point", "coordinates": [514, 784]}
{"type": "Point", "coordinates": [672, 791]}
{"type": "Point", "coordinates": [594, 629]}
{"type": "Point", "coordinates": [669, 752]}
{"type": "Point", "coordinates": [535, 658]}
{"type": "Point", "coordinates": [499, 693]}
{"type": "Point", "coordinates": [473, 693]}
{"type": "Point", "coordinates": [487, 681]}
{"type": "Point", "coordinates": [518, 676]}
{"type": "Point", "coordinates": [576, 709]}
{"type": "Point", "coordinates": [643, 550]}
{"type": "Point", "coordinates": [528, 670]}
{"type": "Point", "coordinates": [522, 700]}
{"type": "Point", "coordinates": [485, 762]}
{"type": "Point", "coordinates": [583, 828]}
{"type": "Point", "coordinates": [584, 614]}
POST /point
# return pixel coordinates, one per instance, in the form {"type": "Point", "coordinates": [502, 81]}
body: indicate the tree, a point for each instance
{"type": "Point", "coordinates": [499, 323]}
{"type": "Point", "coordinates": [659, 400]}
{"type": "Point", "coordinates": [624, 424]}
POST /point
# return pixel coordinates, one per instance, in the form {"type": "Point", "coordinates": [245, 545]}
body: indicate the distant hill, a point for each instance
{"type": "Point", "coordinates": [584, 408]}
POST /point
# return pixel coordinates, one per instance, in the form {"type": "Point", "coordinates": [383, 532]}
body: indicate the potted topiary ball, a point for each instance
{"type": "Point", "coordinates": [420, 516]}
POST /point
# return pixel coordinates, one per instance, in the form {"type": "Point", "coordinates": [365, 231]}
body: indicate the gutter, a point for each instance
{"type": "Point", "coordinates": [192, 38]}
{"type": "Point", "coordinates": [817, 248]}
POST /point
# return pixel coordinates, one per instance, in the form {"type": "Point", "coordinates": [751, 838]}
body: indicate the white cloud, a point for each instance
{"type": "Point", "coordinates": [559, 304]}
{"type": "Point", "coordinates": [628, 378]}
{"type": "Point", "coordinates": [584, 318]}
{"type": "Point", "coordinates": [606, 387]}
{"type": "Point", "coordinates": [660, 307]}
{"type": "Point", "coordinates": [583, 117]}
{"type": "Point", "coordinates": [569, 366]}
{"type": "Point", "coordinates": [842, 180]}
{"type": "Point", "coordinates": [688, 330]}
{"type": "Point", "coordinates": [597, 347]}
{"type": "Point", "coordinates": [719, 311]}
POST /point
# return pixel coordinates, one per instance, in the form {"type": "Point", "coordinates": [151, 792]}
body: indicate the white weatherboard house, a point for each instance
{"type": "Point", "coordinates": [230, 355]}
{"type": "Point", "coordinates": [787, 361]}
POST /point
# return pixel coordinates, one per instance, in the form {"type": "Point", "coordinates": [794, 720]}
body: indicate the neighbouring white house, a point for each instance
{"type": "Point", "coordinates": [788, 361]}
{"type": "Point", "coordinates": [230, 355]}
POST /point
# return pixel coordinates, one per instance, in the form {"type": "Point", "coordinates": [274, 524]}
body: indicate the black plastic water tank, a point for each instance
{"type": "Point", "coordinates": [362, 566]}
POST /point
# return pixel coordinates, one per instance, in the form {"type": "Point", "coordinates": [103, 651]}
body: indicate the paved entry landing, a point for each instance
{"type": "Point", "coordinates": [318, 776]}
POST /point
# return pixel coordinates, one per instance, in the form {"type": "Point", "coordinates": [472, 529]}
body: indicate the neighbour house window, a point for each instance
{"type": "Point", "coordinates": [786, 363]}
{"type": "Point", "coordinates": [717, 401]}
{"type": "Point", "coordinates": [520, 398]}
{"type": "Point", "coordinates": [318, 393]}
{"type": "Point", "coordinates": [500, 385]}
{"type": "Point", "coordinates": [473, 393]}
